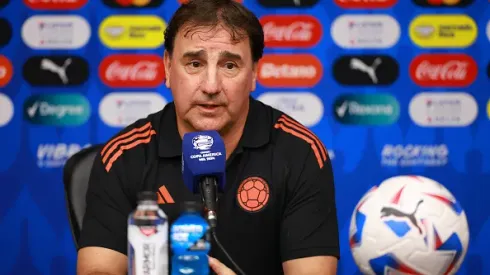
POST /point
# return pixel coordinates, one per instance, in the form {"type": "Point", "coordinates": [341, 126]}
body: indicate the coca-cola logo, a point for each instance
{"type": "Point", "coordinates": [443, 70]}
{"type": "Point", "coordinates": [365, 4]}
{"type": "Point", "coordinates": [6, 71]}
{"type": "Point", "coordinates": [132, 71]}
{"type": "Point", "coordinates": [289, 70]}
{"type": "Point", "coordinates": [55, 4]}
{"type": "Point", "coordinates": [292, 31]}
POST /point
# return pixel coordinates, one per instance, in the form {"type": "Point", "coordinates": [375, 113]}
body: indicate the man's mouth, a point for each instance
{"type": "Point", "coordinates": [208, 107]}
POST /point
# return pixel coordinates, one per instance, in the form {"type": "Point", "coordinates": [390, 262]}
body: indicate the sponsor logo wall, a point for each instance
{"type": "Point", "coordinates": [391, 87]}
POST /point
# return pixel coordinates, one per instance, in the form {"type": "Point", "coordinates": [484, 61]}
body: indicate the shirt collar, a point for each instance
{"type": "Point", "coordinates": [255, 134]}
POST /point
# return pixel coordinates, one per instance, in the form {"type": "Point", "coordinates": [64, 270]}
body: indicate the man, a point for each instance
{"type": "Point", "coordinates": [286, 225]}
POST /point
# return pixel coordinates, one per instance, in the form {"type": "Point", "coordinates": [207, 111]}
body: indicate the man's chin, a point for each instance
{"type": "Point", "coordinates": [208, 125]}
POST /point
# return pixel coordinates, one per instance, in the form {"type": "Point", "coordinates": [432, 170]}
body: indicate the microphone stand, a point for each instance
{"type": "Point", "coordinates": [209, 196]}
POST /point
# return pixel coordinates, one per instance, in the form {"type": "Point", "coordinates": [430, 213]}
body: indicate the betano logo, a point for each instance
{"type": "Point", "coordinates": [132, 31]}
{"type": "Point", "coordinates": [443, 31]}
{"type": "Point", "coordinates": [305, 107]}
{"type": "Point", "coordinates": [366, 109]}
{"type": "Point", "coordinates": [57, 109]}
{"type": "Point", "coordinates": [289, 70]}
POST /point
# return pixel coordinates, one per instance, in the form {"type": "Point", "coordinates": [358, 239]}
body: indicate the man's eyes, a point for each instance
{"type": "Point", "coordinates": [230, 66]}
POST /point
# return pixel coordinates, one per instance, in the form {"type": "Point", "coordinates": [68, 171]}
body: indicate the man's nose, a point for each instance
{"type": "Point", "coordinates": [211, 83]}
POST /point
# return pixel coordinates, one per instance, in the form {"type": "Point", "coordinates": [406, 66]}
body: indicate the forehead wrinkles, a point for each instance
{"type": "Point", "coordinates": [209, 32]}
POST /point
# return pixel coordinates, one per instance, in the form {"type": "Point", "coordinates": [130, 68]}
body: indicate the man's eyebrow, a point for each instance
{"type": "Point", "coordinates": [230, 55]}
{"type": "Point", "coordinates": [194, 54]}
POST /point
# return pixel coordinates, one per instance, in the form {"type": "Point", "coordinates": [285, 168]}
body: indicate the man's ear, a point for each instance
{"type": "Point", "coordinates": [166, 63]}
{"type": "Point", "coordinates": [254, 76]}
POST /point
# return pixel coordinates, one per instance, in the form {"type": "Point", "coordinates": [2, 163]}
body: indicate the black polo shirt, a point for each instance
{"type": "Point", "coordinates": [278, 203]}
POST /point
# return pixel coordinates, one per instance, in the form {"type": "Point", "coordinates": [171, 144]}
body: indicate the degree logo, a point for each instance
{"type": "Point", "coordinates": [443, 31]}
{"type": "Point", "coordinates": [132, 32]}
{"type": "Point", "coordinates": [366, 109]}
{"type": "Point", "coordinates": [64, 109]}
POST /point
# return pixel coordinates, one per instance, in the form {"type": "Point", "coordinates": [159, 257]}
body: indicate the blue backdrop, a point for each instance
{"type": "Point", "coordinates": [34, 232]}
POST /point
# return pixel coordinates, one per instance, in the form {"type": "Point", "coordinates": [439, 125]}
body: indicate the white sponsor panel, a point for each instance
{"type": "Point", "coordinates": [305, 107]}
{"type": "Point", "coordinates": [405, 155]}
{"type": "Point", "coordinates": [56, 32]}
{"type": "Point", "coordinates": [365, 31]}
{"type": "Point", "coordinates": [120, 109]}
{"type": "Point", "coordinates": [55, 155]}
{"type": "Point", "coordinates": [488, 30]}
{"type": "Point", "coordinates": [6, 109]}
{"type": "Point", "coordinates": [439, 109]}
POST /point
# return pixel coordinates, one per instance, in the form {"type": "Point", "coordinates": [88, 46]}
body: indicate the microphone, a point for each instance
{"type": "Point", "coordinates": [203, 168]}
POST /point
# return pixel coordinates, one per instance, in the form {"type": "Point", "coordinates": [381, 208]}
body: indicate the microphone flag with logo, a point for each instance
{"type": "Point", "coordinates": [203, 155]}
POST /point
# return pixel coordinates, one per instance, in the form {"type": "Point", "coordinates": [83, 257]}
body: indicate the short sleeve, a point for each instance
{"type": "Point", "coordinates": [309, 226]}
{"type": "Point", "coordinates": [107, 209]}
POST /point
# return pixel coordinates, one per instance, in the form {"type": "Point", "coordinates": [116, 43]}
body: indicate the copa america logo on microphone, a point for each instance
{"type": "Point", "coordinates": [202, 142]}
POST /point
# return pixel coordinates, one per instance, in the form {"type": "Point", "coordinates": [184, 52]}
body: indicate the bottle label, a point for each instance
{"type": "Point", "coordinates": [190, 238]}
{"type": "Point", "coordinates": [148, 250]}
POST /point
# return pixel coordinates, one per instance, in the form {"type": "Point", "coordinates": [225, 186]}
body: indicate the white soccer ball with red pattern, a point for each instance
{"type": "Point", "coordinates": [409, 225]}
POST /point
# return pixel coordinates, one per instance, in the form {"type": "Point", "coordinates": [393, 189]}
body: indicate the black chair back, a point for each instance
{"type": "Point", "coordinates": [76, 174]}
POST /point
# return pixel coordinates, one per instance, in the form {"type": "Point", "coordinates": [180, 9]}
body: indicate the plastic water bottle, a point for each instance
{"type": "Point", "coordinates": [190, 242]}
{"type": "Point", "coordinates": [148, 252]}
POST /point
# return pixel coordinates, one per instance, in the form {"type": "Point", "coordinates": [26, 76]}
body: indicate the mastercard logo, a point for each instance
{"type": "Point", "coordinates": [443, 3]}
{"type": "Point", "coordinates": [186, 1]}
{"type": "Point", "coordinates": [133, 3]}
{"type": "Point", "coordinates": [443, 31]}
{"type": "Point", "coordinates": [289, 70]}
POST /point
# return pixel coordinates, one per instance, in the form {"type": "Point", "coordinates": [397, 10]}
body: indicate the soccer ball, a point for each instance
{"type": "Point", "coordinates": [408, 225]}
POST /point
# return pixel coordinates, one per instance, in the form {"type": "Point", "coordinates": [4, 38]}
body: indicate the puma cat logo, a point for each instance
{"type": "Point", "coordinates": [390, 211]}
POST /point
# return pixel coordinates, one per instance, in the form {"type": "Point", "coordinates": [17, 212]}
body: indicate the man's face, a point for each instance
{"type": "Point", "coordinates": [210, 78]}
